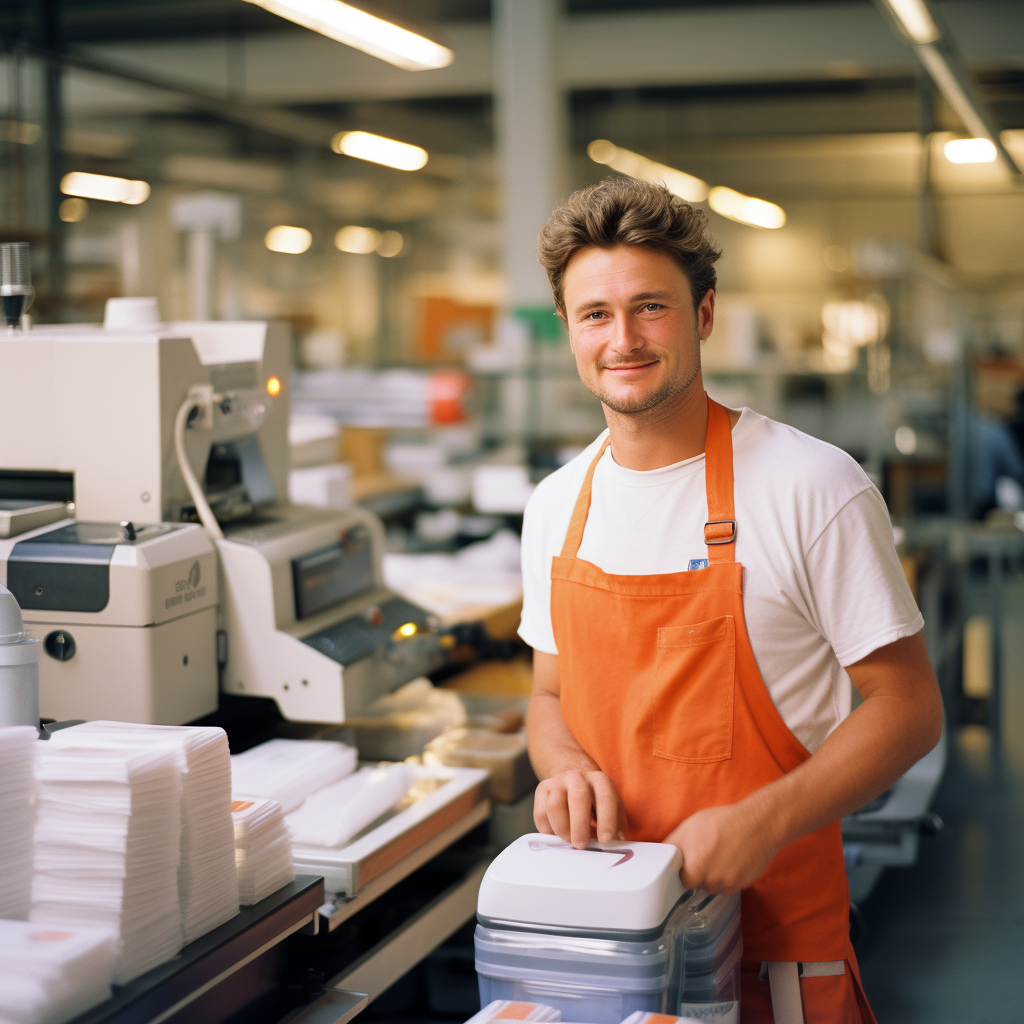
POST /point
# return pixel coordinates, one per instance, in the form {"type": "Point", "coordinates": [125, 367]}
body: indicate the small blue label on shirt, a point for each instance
{"type": "Point", "coordinates": [697, 563]}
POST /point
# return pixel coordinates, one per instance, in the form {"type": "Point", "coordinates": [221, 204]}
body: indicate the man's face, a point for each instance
{"type": "Point", "coordinates": [632, 326]}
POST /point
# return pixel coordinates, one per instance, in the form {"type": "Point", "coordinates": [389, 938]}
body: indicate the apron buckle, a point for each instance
{"type": "Point", "coordinates": [720, 531]}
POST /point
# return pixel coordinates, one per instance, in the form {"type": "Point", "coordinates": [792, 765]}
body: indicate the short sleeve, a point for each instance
{"type": "Point", "coordinates": [859, 593]}
{"type": "Point", "coordinates": [535, 625]}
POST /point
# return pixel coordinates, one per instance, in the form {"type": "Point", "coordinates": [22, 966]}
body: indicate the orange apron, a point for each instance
{"type": "Point", "coordinates": [660, 687]}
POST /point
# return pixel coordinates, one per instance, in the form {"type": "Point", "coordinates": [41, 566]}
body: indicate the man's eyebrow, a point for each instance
{"type": "Point", "coordinates": [586, 307]}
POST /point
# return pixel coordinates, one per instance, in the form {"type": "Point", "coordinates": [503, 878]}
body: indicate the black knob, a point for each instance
{"type": "Point", "coordinates": [128, 529]}
{"type": "Point", "coordinates": [60, 645]}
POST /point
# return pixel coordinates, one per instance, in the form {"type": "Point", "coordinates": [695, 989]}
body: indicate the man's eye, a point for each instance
{"type": "Point", "coordinates": [652, 307]}
{"type": "Point", "coordinates": [595, 315]}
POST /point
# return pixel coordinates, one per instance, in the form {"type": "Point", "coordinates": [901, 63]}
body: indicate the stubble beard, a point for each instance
{"type": "Point", "coordinates": [670, 389]}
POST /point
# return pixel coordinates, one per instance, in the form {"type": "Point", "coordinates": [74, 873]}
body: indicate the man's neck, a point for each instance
{"type": "Point", "coordinates": [673, 431]}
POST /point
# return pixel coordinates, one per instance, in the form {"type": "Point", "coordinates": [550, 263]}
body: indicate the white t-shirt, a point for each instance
{"type": "Point", "coordinates": [822, 584]}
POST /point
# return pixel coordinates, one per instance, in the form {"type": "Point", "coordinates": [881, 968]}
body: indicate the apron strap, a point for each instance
{"type": "Point", "coordinates": [574, 535]}
{"type": "Point", "coordinates": [787, 1003]}
{"type": "Point", "coordinates": [784, 985]}
{"type": "Point", "coordinates": [720, 529]}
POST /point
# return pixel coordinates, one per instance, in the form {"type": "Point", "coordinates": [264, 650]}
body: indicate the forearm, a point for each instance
{"type": "Point", "coordinates": [553, 748]}
{"type": "Point", "coordinates": [863, 757]}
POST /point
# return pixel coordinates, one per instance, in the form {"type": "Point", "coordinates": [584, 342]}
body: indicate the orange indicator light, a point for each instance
{"type": "Point", "coordinates": [273, 386]}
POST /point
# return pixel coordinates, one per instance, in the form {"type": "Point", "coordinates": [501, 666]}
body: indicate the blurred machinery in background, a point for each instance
{"type": "Point", "coordinates": [139, 423]}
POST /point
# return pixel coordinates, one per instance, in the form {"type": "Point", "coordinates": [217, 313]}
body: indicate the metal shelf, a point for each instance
{"type": "Point", "coordinates": [379, 968]}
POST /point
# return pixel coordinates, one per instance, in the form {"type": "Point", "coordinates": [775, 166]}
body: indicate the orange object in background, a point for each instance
{"type": "Point", "coordinates": [446, 395]}
{"type": "Point", "coordinates": [446, 328]}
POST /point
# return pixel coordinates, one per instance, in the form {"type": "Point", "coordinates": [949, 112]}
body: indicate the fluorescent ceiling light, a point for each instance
{"type": "Point", "coordinates": [372, 35]}
{"type": "Point", "coordinates": [380, 150]}
{"type": "Point", "coordinates": [103, 186]}
{"type": "Point", "coordinates": [736, 206]}
{"type": "Point", "coordinates": [970, 151]}
{"type": "Point", "coordinates": [391, 243]}
{"type": "Point", "coordinates": [356, 239]}
{"type": "Point", "coordinates": [285, 238]}
{"type": "Point", "coordinates": [684, 185]}
{"type": "Point", "coordinates": [915, 19]}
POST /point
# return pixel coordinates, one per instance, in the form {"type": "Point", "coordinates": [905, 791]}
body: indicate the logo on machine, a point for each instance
{"type": "Point", "coordinates": [187, 590]}
{"type": "Point", "coordinates": [539, 846]}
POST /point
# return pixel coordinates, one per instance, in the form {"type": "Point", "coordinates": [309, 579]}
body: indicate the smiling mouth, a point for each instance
{"type": "Point", "coordinates": [630, 366]}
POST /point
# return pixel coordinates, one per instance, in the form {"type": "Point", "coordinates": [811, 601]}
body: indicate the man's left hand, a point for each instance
{"type": "Point", "coordinates": [724, 849]}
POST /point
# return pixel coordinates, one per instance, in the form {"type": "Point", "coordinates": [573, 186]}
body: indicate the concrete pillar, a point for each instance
{"type": "Point", "coordinates": [531, 125]}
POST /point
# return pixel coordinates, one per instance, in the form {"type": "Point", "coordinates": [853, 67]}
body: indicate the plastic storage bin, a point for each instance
{"type": "Point", "coordinates": [604, 932]}
{"type": "Point", "coordinates": [709, 949]}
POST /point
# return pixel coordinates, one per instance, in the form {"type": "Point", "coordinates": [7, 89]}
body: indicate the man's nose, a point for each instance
{"type": "Point", "coordinates": [626, 336]}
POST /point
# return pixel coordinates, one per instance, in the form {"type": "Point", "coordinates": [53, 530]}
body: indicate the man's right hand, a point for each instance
{"type": "Point", "coordinates": [569, 805]}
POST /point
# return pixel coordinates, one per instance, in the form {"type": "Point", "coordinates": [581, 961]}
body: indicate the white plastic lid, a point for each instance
{"type": "Point", "coordinates": [616, 886]}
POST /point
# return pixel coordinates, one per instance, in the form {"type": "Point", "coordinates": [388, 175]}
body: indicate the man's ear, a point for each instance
{"type": "Point", "coordinates": [706, 315]}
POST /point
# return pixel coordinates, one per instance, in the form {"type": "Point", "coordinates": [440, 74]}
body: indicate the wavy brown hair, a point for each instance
{"type": "Point", "coordinates": [625, 211]}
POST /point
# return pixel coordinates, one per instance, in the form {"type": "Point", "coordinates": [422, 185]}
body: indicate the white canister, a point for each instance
{"type": "Point", "coordinates": [19, 666]}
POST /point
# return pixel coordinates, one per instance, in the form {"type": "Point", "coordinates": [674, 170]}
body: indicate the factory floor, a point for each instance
{"type": "Point", "coordinates": [945, 941]}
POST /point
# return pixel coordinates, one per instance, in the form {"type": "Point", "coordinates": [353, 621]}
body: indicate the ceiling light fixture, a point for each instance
{"type": "Point", "coordinates": [365, 32]}
{"type": "Point", "coordinates": [105, 187]}
{"type": "Point", "coordinates": [758, 213]}
{"type": "Point", "coordinates": [285, 238]}
{"type": "Point", "coordinates": [357, 239]}
{"type": "Point", "coordinates": [391, 244]}
{"type": "Point", "coordinates": [380, 150]}
{"type": "Point", "coordinates": [625, 161]}
{"type": "Point", "coordinates": [940, 57]}
{"type": "Point", "coordinates": [914, 19]}
{"type": "Point", "coordinates": [970, 151]}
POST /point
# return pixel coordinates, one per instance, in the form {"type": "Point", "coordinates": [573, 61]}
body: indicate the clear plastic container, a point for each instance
{"type": "Point", "coordinates": [594, 980]}
{"type": "Point", "coordinates": [710, 948]}
{"type": "Point", "coordinates": [693, 958]}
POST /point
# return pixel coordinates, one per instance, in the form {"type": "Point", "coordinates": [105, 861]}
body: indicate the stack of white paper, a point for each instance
{"type": "Point", "coordinates": [107, 846]}
{"type": "Point", "coordinates": [263, 849]}
{"type": "Point", "coordinates": [17, 814]}
{"type": "Point", "coordinates": [207, 883]}
{"type": "Point", "coordinates": [49, 975]}
{"type": "Point", "coordinates": [289, 770]}
{"type": "Point", "coordinates": [332, 816]}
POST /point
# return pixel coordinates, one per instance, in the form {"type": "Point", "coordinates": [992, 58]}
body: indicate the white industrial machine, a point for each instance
{"type": "Point", "coordinates": [180, 422]}
{"type": "Point", "coordinates": [127, 615]}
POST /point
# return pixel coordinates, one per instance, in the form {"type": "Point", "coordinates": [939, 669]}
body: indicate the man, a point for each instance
{"type": "Point", "coordinates": [703, 590]}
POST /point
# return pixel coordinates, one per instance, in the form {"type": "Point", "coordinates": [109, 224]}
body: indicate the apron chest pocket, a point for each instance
{"type": "Point", "coordinates": [693, 690]}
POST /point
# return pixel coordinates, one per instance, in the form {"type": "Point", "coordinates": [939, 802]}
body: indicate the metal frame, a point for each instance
{"type": "Point", "coordinates": [380, 967]}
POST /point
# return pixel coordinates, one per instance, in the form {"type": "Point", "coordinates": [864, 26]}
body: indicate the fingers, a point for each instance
{"type": "Point", "coordinates": [693, 875]}
{"type": "Point", "coordinates": [540, 811]}
{"type": "Point", "coordinates": [567, 804]}
{"type": "Point", "coordinates": [558, 809]}
{"type": "Point", "coordinates": [581, 804]}
{"type": "Point", "coordinates": [608, 809]}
